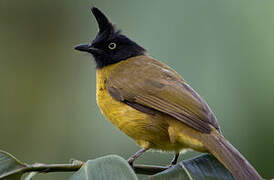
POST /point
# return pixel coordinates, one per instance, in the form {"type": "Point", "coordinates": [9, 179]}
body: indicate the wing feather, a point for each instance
{"type": "Point", "coordinates": [147, 83]}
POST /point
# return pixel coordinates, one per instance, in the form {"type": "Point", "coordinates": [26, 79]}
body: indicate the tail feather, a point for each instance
{"type": "Point", "coordinates": [230, 157]}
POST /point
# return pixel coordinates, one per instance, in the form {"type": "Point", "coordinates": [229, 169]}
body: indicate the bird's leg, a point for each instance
{"type": "Point", "coordinates": [174, 160]}
{"type": "Point", "coordinates": [132, 158]}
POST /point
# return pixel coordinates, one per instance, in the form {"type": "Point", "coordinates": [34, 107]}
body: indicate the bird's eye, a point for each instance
{"type": "Point", "coordinates": [112, 45]}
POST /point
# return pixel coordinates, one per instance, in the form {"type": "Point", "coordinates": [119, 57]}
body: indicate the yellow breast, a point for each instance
{"type": "Point", "coordinates": [127, 119]}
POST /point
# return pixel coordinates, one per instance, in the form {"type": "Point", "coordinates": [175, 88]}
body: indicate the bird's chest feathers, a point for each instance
{"type": "Point", "coordinates": [121, 115]}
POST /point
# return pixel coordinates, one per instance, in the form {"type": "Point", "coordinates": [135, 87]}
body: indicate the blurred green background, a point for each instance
{"type": "Point", "coordinates": [48, 111]}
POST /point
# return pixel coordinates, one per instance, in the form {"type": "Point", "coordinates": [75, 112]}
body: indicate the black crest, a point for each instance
{"type": "Point", "coordinates": [103, 23]}
{"type": "Point", "coordinates": [110, 45]}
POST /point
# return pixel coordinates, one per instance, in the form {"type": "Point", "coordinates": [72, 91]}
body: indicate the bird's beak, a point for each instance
{"type": "Point", "coordinates": [87, 48]}
{"type": "Point", "coordinates": [82, 47]}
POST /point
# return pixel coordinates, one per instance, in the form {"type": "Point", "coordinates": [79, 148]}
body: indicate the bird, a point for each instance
{"type": "Point", "coordinates": [152, 104]}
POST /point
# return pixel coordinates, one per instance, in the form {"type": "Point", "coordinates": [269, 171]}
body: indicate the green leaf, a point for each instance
{"type": "Point", "coordinates": [203, 167]}
{"type": "Point", "coordinates": [10, 167]}
{"type": "Point", "coordinates": [105, 168]}
{"type": "Point", "coordinates": [31, 175]}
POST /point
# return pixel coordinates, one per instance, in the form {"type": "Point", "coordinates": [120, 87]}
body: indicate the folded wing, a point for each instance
{"type": "Point", "coordinates": [148, 85]}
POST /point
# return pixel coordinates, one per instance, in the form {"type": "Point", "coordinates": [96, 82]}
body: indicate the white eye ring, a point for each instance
{"type": "Point", "coordinates": [112, 46]}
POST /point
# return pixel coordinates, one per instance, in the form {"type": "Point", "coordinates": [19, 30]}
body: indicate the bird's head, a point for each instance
{"type": "Point", "coordinates": [109, 45]}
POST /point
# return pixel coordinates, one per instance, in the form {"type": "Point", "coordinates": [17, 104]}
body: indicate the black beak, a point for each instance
{"type": "Point", "coordinates": [88, 48]}
{"type": "Point", "coordinates": [83, 47]}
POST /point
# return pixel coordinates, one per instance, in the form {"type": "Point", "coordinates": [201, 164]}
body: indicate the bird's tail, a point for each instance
{"type": "Point", "coordinates": [230, 157]}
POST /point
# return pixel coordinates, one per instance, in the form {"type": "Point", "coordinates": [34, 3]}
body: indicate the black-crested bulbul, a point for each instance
{"type": "Point", "coordinates": [153, 104]}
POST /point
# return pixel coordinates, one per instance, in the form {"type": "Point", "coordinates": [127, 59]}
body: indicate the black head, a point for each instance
{"type": "Point", "coordinates": [109, 46]}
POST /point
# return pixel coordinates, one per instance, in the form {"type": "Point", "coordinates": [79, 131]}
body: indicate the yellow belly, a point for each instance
{"type": "Point", "coordinates": [158, 131]}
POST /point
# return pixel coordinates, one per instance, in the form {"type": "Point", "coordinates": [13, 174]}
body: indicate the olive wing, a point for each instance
{"type": "Point", "coordinates": [149, 85]}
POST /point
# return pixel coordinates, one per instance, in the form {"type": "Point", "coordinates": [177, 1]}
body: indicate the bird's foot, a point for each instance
{"type": "Point", "coordinates": [169, 166]}
{"type": "Point", "coordinates": [132, 158]}
{"type": "Point", "coordinates": [174, 161]}
{"type": "Point", "coordinates": [130, 161]}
